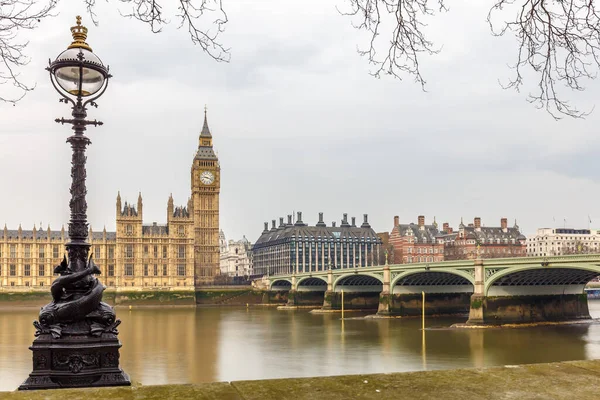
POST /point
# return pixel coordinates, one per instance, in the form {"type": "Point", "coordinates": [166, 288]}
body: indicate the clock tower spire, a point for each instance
{"type": "Point", "coordinates": [205, 138]}
{"type": "Point", "coordinates": [206, 184]}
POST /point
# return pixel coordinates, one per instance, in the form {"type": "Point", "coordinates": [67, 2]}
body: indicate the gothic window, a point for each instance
{"type": "Point", "coordinates": [155, 269]}
{"type": "Point", "coordinates": [55, 251]}
{"type": "Point", "coordinates": [181, 230]}
{"type": "Point", "coordinates": [111, 252]}
{"type": "Point", "coordinates": [41, 270]}
{"type": "Point", "coordinates": [129, 251]}
{"type": "Point", "coordinates": [96, 252]}
{"type": "Point", "coordinates": [181, 251]}
{"type": "Point", "coordinates": [145, 251]}
{"type": "Point", "coordinates": [164, 269]}
{"type": "Point", "coordinates": [155, 251]}
{"type": "Point", "coordinates": [27, 271]}
{"type": "Point", "coordinates": [111, 270]}
{"type": "Point", "coordinates": [40, 251]}
{"type": "Point", "coordinates": [181, 269]}
{"type": "Point", "coordinates": [128, 269]}
{"type": "Point", "coordinates": [164, 252]}
{"type": "Point", "coordinates": [145, 269]}
{"type": "Point", "coordinates": [129, 229]}
{"type": "Point", "coordinates": [13, 251]}
{"type": "Point", "coordinates": [27, 251]}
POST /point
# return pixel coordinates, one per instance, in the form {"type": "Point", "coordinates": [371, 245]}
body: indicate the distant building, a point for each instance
{"type": "Point", "coordinates": [562, 241]}
{"type": "Point", "coordinates": [412, 243]}
{"type": "Point", "coordinates": [236, 257]}
{"type": "Point", "coordinates": [475, 240]}
{"type": "Point", "coordinates": [297, 247]}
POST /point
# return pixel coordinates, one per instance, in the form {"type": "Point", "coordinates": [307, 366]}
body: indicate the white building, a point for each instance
{"type": "Point", "coordinates": [561, 241]}
{"type": "Point", "coordinates": [236, 257]}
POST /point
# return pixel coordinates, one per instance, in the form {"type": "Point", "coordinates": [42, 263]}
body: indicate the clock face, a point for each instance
{"type": "Point", "coordinates": [207, 177]}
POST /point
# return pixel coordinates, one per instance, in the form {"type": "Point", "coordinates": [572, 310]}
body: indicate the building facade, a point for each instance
{"type": "Point", "coordinates": [180, 254]}
{"type": "Point", "coordinates": [295, 247]}
{"type": "Point", "coordinates": [563, 241]}
{"type": "Point", "coordinates": [477, 241]}
{"type": "Point", "coordinates": [235, 257]}
{"type": "Point", "coordinates": [411, 243]}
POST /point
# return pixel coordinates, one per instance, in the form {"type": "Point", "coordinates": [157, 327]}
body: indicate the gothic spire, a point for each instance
{"type": "Point", "coordinates": [205, 130]}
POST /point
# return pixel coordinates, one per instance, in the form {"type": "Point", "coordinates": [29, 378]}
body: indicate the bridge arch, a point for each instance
{"type": "Point", "coordinates": [539, 279]}
{"type": "Point", "coordinates": [281, 284]}
{"type": "Point", "coordinates": [311, 283]}
{"type": "Point", "coordinates": [441, 280]}
{"type": "Point", "coordinates": [359, 282]}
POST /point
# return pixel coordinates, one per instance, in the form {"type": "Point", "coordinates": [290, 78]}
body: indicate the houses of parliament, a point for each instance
{"type": "Point", "coordinates": [182, 254]}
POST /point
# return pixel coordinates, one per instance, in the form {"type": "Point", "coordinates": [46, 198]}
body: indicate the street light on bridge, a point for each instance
{"type": "Point", "coordinates": [77, 343]}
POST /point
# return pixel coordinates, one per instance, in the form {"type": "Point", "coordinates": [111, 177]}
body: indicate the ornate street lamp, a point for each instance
{"type": "Point", "coordinates": [77, 343]}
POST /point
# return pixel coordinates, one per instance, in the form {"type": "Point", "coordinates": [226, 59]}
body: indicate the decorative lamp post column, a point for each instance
{"type": "Point", "coordinates": [77, 343]}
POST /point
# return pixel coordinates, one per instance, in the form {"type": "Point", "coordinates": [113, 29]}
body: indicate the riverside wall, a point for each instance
{"type": "Point", "coordinates": [563, 380]}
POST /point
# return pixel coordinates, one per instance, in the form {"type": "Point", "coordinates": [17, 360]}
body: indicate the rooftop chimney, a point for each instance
{"type": "Point", "coordinates": [333, 224]}
{"type": "Point", "coordinates": [299, 219]}
{"type": "Point", "coordinates": [396, 220]}
{"type": "Point", "coordinates": [289, 219]}
{"type": "Point", "coordinates": [281, 222]}
{"type": "Point", "coordinates": [354, 222]}
{"type": "Point", "coordinates": [272, 224]}
{"type": "Point", "coordinates": [450, 230]}
{"type": "Point", "coordinates": [445, 227]}
{"type": "Point", "coordinates": [477, 222]}
{"type": "Point", "coordinates": [345, 220]}
{"type": "Point", "coordinates": [321, 223]}
{"type": "Point", "coordinates": [365, 223]}
{"type": "Point", "coordinates": [421, 221]}
{"type": "Point", "coordinates": [266, 227]}
{"type": "Point", "coordinates": [504, 224]}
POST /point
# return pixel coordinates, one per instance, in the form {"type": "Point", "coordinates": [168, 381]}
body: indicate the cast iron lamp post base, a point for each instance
{"type": "Point", "coordinates": [75, 360]}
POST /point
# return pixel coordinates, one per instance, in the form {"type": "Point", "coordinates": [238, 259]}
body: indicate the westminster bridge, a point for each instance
{"type": "Point", "coordinates": [491, 291]}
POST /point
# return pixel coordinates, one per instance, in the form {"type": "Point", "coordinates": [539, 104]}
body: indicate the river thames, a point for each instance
{"type": "Point", "coordinates": [191, 345]}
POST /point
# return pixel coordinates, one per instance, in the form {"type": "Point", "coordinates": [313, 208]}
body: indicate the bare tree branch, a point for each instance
{"type": "Point", "coordinates": [559, 40]}
{"type": "Point", "coordinates": [15, 16]}
{"type": "Point", "coordinates": [406, 38]}
{"type": "Point", "coordinates": [190, 12]}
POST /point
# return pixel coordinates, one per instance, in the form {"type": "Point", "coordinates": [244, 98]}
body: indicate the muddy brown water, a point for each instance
{"type": "Point", "coordinates": [190, 345]}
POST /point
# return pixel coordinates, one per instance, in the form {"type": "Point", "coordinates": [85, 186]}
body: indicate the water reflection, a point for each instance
{"type": "Point", "coordinates": [187, 345]}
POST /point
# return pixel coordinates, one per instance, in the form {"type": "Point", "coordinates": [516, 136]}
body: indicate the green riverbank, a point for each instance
{"type": "Point", "coordinates": [565, 380]}
{"type": "Point", "coordinates": [220, 296]}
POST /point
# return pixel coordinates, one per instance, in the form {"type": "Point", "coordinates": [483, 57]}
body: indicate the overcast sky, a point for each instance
{"type": "Point", "coordinates": [300, 125]}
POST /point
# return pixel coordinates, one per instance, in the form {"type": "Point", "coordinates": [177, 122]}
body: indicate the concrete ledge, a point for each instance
{"type": "Point", "coordinates": [566, 380]}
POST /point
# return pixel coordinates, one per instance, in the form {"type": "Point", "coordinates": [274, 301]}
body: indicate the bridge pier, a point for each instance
{"type": "Point", "coordinates": [385, 297]}
{"type": "Point", "coordinates": [411, 304]}
{"type": "Point", "coordinates": [497, 310]}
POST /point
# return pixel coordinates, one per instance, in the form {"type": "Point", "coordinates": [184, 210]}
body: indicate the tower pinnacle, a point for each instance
{"type": "Point", "coordinates": [205, 133]}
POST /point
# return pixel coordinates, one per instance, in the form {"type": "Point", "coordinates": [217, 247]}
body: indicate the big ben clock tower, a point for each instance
{"type": "Point", "coordinates": [206, 183]}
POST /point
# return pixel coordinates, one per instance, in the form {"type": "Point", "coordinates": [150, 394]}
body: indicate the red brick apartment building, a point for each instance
{"type": "Point", "coordinates": [412, 243]}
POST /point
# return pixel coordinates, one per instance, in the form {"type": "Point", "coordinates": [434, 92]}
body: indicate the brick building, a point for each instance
{"type": "Point", "coordinates": [416, 242]}
{"type": "Point", "coordinates": [493, 242]}
{"type": "Point", "coordinates": [411, 243]}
